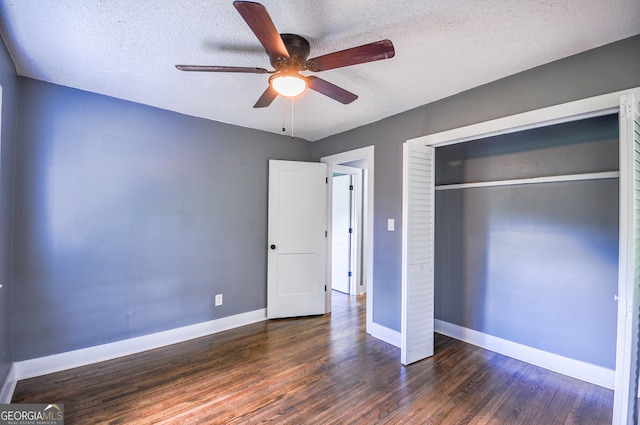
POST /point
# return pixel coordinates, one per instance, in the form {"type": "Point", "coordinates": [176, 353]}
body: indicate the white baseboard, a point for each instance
{"type": "Point", "coordinates": [85, 356]}
{"type": "Point", "coordinates": [385, 334]}
{"type": "Point", "coordinates": [6, 393]}
{"type": "Point", "coordinates": [576, 369]}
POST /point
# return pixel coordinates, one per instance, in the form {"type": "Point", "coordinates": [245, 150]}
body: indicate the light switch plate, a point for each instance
{"type": "Point", "coordinates": [391, 225]}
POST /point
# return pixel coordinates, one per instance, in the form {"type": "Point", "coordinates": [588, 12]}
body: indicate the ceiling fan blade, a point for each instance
{"type": "Point", "coordinates": [267, 97]}
{"type": "Point", "coordinates": [331, 90]}
{"type": "Point", "coordinates": [205, 68]}
{"type": "Point", "coordinates": [258, 19]}
{"type": "Point", "coordinates": [379, 50]}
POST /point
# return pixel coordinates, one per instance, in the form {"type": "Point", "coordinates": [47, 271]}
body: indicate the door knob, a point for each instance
{"type": "Point", "coordinates": [273, 247]}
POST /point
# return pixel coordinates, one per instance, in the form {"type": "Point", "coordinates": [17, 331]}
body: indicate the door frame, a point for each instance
{"type": "Point", "coordinates": [366, 153]}
{"type": "Point", "coordinates": [626, 379]}
{"type": "Point", "coordinates": [357, 205]}
{"type": "Point", "coordinates": [566, 112]}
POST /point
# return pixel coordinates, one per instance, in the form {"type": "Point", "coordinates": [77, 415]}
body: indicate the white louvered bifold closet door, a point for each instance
{"type": "Point", "coordinates": [417, 252]}
{"type": "Point", "coordinates": [625, 407]}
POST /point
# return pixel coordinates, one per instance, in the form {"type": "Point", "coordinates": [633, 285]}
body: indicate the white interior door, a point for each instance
{"type": "Point", "coordinates": [341, 231]}
{"type": "Point", "coordinates": [625, 405]}
{"type": "Point", "coordinates": [296, 259]}
{"type": "Point", "coordinates": [418, 218]}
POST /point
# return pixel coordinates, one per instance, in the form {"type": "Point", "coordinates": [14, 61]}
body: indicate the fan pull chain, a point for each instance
{"type": "Point", "coordinates": [284, 104]}
{"type": "Point", "coordinates": [284, 99]}
{"type": "Point", "coordinates": [292, 118]}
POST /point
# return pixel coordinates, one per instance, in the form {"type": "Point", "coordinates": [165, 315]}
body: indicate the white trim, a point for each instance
{"type": "Point", "coordinates": [534, 180]}
{"type": "Point", "coordinates": [99, 353]}
{"type": "Point", "coordinates": [1, 127]}
{"type": "Point", "coordinates": [593, 374]}
{"type": "Point", "coordinates": [6, 392]}
{"type": "Point", "coordinates": [349, 156]}
{"type": "Point", "coordinates": [368, 154]}
{"type": "Point", "coordinates": [572, 111]}
{"type": "Point", "coordinates": [9, 386]}
{"type": "Point", "coordinates": [385, 334]}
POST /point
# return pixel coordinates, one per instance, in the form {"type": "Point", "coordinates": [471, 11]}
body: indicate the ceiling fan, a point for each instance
{"type": "Point", "coordinates": [288, 55]}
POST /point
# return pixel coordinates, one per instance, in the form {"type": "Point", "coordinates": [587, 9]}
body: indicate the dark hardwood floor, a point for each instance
{"type": "Point", "coordinates": [316, 370]}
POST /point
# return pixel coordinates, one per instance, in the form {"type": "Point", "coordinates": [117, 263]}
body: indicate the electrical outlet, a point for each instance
{"type": "Point", "coordinates": [218, 300]}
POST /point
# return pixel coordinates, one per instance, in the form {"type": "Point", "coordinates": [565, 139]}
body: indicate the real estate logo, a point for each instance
{"type": "Point", "coordinates": [31, 414]}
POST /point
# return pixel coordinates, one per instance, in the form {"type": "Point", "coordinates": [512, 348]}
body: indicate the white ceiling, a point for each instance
{"type": "Point", "coordinates": [128, 48]}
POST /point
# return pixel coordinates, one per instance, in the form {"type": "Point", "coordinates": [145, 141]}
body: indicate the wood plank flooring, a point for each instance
{"type": "Point", "coordinates": [316, 370]}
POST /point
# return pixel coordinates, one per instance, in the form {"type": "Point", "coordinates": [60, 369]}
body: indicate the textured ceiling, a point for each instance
{"type": "Point", "coordinates": [128, 48]}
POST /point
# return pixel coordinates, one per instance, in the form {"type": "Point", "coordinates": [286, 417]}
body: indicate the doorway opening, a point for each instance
{"type": "Point", "coordinates": [346, 230]}
{"type": "Point", "coordinates": [355, 250]}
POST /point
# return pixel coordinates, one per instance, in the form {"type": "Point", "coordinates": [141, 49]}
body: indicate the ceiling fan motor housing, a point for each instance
{"type": "Point", "coordinates": [298, 48]}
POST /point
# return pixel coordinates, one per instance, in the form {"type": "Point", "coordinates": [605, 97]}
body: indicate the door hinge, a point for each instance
{"type": "Point", "coordinates": [326, 233]}
{"type": "Point", "coordinates": [625, 308]}
{"type": "Point", "coordinates": [326, 180]}
{"type": "Point", "coordinates": [325, 288]}
{"type": "Point", "coordinates": [350, 187]}
{"type": "Point", "coordinates": [626, 108]}
{"type": "Point", "coordinates": [350, 230]}
{"type": "Point", "coordinates": [349, 274]}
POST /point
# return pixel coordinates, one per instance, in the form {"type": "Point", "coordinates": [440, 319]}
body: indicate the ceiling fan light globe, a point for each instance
{"type": "Point", "coordinates": [288, 85]}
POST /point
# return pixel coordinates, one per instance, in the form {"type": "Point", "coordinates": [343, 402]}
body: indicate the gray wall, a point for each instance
{"type": "Point", "coordinates": [128, 219]}
{"type": "Point", "coordinates": [602, 70]}
{"type": "Point", "coordinates": [9, 83]}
